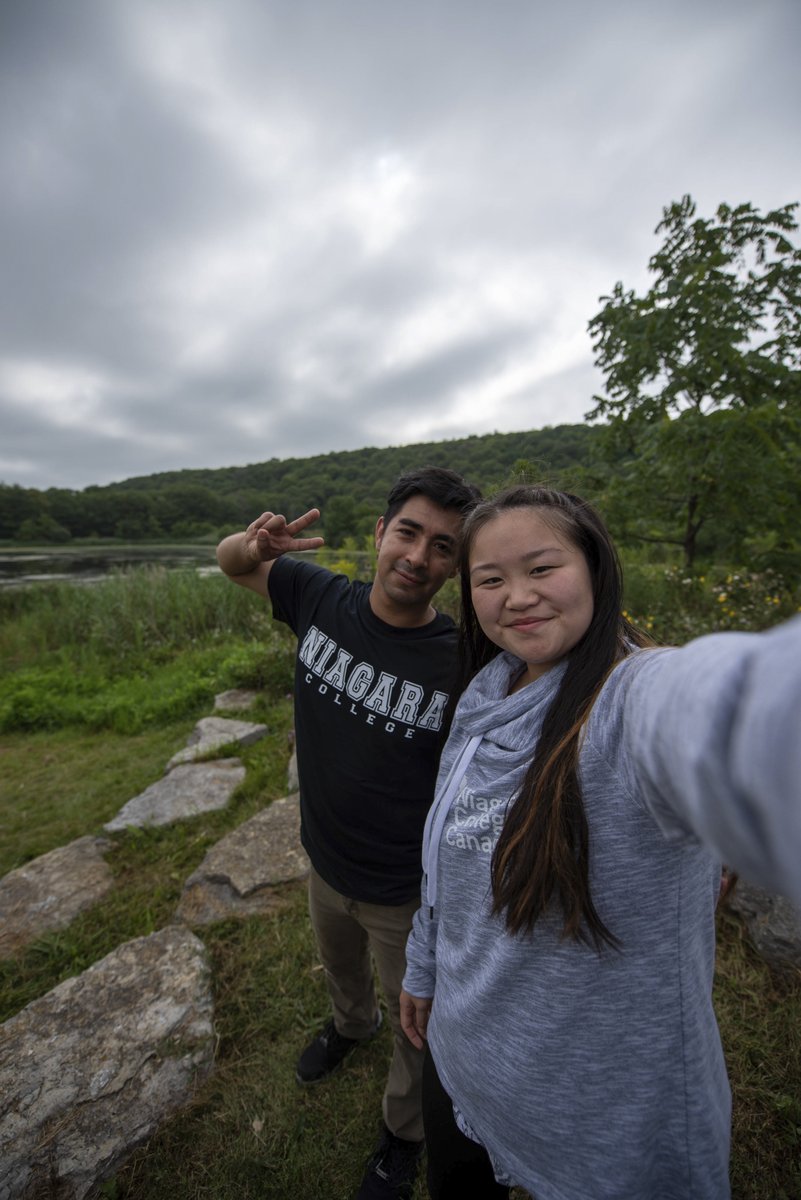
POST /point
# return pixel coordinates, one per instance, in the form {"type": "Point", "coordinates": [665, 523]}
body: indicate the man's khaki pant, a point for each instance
{"type": "Point", "coordinates": [348, 932]}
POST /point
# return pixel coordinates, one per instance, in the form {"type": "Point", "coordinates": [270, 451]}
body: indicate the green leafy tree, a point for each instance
{"type": "Point", "coordinates": [42, 529]}
{"type": "Point", "coordinates": [344, 518]}
{"type": "Point", "coordinates": [18, 504]}
{"type": "Point", "coordinates": [703, 380]}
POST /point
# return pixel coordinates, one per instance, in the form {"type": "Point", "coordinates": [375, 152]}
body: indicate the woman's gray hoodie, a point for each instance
{"type": "Point", "coordinates": [587, 1075]}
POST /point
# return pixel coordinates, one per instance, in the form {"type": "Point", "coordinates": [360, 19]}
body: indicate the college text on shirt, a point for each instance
{"type": "Point", "coordinates": [400, 702]}
{"type": "Point", "coordinates": [475, 822]}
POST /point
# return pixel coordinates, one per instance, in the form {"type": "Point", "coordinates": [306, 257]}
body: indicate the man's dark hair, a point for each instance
{"type": "Point", "coordinates": [438, 484]}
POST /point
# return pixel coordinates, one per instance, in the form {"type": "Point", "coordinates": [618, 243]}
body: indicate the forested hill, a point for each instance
{"type": "Point", "coordinates": [348, 486]}
{"type": "Point", "coordinates": [323, 475]}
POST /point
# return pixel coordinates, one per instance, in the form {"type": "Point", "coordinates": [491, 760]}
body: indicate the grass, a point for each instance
{"type": "Point", "coordinates": [251, 1132]}
{"type": "Point", "coordinates": [136, 650]}
{"type": "Point", "coordinates": [759, 1012]}
{"type": "Point", "coordinates": [56, 787]}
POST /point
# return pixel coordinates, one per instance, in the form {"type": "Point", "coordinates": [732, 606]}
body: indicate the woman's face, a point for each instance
{"type": "Point", "coordinates": [531, 589]}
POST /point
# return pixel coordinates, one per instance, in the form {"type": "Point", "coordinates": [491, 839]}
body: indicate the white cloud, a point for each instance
{"type": "Point", "coordinates": [62, 394]}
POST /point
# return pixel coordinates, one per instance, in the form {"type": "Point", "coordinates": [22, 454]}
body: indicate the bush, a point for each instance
{"type": "Point", "coordinates": [675, 606]}
{"type": "Point", "coordinates": [267, 664]}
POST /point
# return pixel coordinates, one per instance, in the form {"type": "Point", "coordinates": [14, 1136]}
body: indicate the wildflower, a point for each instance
{"type": "Point", "coordinates": [722, 598]}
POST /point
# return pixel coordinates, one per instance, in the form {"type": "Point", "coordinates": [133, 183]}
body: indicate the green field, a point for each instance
{"type": "Point", "coordinates": [100, 687]}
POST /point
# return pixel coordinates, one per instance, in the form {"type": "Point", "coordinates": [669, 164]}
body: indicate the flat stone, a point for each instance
{"type": "Point", "coordinates": [213, 733]}
{"type": "Point", "coordinates": [773, 924]}
{"type": "Point", "coordinates": [238, 875]}
{"type": "Point", "coordinates": [90, 1070]}
{"type": "Point", "coordinates": [184, 792]}
{"type": "Point", "coordinates": [292, 773]}
{"type": "Point", "coordinates": [47, 893]}
{"type": "Point", "coordinates": [235, 700]}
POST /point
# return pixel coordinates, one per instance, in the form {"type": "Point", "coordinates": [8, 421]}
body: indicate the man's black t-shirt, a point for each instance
{"type": "Point", "coordinates": [371, 702]}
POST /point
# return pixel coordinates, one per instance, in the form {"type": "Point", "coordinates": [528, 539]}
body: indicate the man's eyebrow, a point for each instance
{"type": "Point", "coordinates": [410, 524]}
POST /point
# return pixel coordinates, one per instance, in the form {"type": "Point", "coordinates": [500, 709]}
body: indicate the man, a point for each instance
{"type": "Point", "coordinates": [375, 674]}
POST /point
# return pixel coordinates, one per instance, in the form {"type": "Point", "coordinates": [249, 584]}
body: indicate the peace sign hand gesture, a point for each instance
{"type": "Point", "coordinates": [271, 535]}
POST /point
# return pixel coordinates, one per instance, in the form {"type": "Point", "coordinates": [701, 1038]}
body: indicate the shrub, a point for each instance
{"type": "Point", "coordinates": [267, 664]}
{"type": "Point", "coordinates": [675, 605]}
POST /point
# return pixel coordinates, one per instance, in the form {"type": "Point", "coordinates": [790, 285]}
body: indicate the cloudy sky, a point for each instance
{"type": "Point", "coordinates": [232, 230]}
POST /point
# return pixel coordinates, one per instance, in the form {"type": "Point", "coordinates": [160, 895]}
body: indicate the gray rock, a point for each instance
{"type": "Point", "coordinates": [235, 700]}
{"type": "Point", "coordinates": [238, 875]}
{"type": "Point", "coordinates": [185, 792]}
{"type": "Point", "coordinates": [89, 1071]}
{"type": "Point", "coordinates": [212, 733]}
{"type": "Point", "coordinates": [773, 924]}
{"type": "Point", "coordinates": [292, 773]}
{"type": "Point", "coordinates": [48, 893]}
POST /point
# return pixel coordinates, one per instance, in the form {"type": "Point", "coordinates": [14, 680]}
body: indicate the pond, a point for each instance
{"type": "Point", "coordinates": [21, 568]}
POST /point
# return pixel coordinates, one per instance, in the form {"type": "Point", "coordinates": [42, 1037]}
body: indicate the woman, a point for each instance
{"type": "Point", "coordinates": [587, 793]}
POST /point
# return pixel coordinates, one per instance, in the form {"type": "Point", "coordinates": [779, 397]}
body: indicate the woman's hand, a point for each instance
{"type": "Point", "coordinates": [414, 1014]}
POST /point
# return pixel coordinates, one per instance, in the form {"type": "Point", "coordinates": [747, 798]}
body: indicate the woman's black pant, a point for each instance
{"type": "Point", "coordinates": [457, 1166]}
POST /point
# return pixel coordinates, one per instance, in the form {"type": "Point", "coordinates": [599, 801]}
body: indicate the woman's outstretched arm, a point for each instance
{"type": "Point", "coordinates": [714, 730]}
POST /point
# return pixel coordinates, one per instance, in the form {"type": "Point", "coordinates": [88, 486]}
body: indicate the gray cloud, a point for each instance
{"type": "Point", "coordinates": [263, 228]}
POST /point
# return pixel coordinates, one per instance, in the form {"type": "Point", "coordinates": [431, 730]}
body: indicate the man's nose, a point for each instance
{"type": "Point", "coordinates": [417, 554]}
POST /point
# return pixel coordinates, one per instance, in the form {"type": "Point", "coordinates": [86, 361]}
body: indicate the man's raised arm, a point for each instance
{"type": "Point", "coordinates": [246, 558]}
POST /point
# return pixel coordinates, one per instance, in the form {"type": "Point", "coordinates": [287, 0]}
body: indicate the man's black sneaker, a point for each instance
{"type": "Point", "coordinates": [392, 1170]}
{"type": "Point", "coordinates": [326, 1053]}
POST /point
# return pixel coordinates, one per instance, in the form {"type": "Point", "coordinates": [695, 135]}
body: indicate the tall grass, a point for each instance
{"type": "Point", "coordinates": [106, 656]}
{"type": "Point", "coordinates": [129, 615]}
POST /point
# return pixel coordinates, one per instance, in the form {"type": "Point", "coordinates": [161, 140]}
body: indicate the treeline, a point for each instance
{"type": "Point", "coordinates": [349, 487]}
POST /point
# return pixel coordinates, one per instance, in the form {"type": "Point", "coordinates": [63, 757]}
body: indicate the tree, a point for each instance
{"type": "Point", "coordinates": [18, 504]}
{"type": "Point", "coordinates": [703, 380]}
{"type": "Point", "coordinates": [42, 529]}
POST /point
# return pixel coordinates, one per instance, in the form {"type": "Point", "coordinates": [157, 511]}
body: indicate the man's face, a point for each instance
{"type": "Point", "coordinates": [417, 552]}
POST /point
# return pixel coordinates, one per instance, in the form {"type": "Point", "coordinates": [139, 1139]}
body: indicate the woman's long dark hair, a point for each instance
{"type": "Point", "coordinates": [543, 851]}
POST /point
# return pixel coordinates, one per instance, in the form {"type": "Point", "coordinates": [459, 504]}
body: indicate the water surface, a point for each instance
{"type": "Point", "coordinates": [20, 568]}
